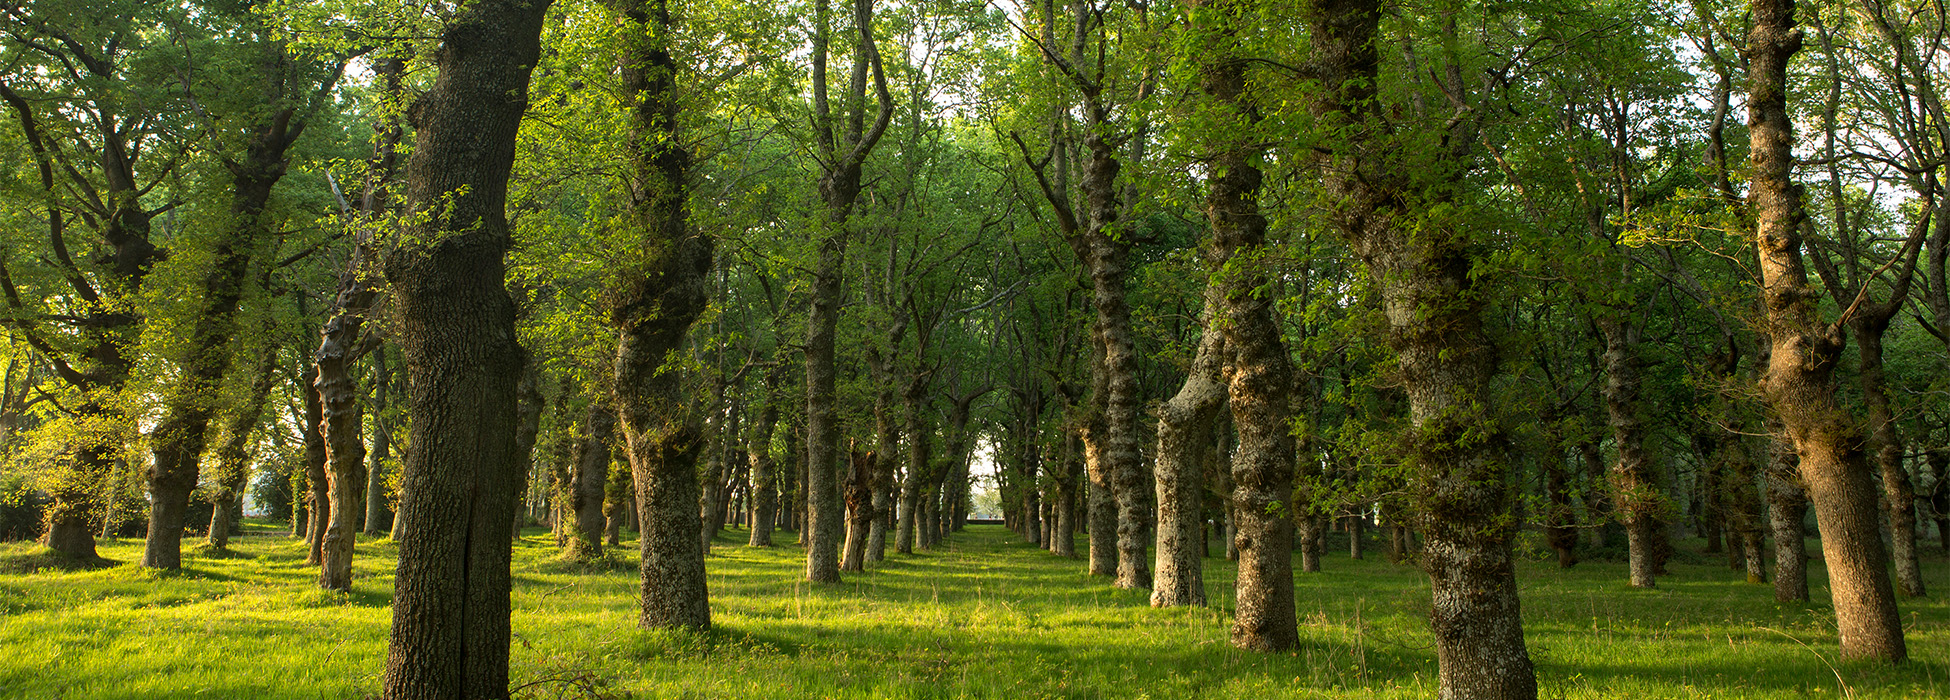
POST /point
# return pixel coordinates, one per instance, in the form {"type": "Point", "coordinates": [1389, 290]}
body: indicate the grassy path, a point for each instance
{"type": "Point", "coordinates": [986, 617]}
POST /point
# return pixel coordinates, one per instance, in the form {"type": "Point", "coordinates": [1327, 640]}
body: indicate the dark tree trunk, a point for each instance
{"type": "Point", "coordinates": [529, 405]}
{"type": "Point", "coordinates": [455, 325]}
{"type": "Point", "coordinates": [653, 310]}
{"type": "Point", "coordinates": [1444, 361]}
{"type": "Point", "coordinates": [1560, 518]}
{"type": "Point", "coordinates": [1799, 385]}
{"type": "Point", "coordinates": [919, 459]}
{"type": "Point", "coordinates": [377, 513]}
{"type": "Point", "coordinates": [190, 405]}
{"type": "Point", "coordinates": [859, 509]}
{"type": "Point", "coordinates": [317, 497]}
{"type": "Point", "coordinates": [232, 461]}
{"type": "Point", "coordinates": [588, 484]}
{"type": "Point", "coordinates": [758, 448]}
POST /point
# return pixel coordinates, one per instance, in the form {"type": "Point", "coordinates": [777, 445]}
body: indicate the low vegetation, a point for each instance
{"type": "Point", "coordinates": [985, 616]}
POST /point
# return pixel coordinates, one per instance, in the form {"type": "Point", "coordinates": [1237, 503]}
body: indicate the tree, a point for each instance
{"type": "Point", "coordinates": [456, 327]}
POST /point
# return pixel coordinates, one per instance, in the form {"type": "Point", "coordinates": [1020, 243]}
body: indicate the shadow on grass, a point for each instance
{"type": "Point", "coordinates": [44, 559]}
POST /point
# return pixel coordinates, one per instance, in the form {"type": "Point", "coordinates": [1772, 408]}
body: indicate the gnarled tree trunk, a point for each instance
{"type": "Point", "coordinates": [1799, 384]}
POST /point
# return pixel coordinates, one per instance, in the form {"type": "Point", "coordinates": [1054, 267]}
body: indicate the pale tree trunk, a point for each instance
{"type": "Point", "coordinates": [1635, 490]}
{"type": "Point", "coordinates": [455, 324]}
{"type": "Point", "coordinates": [859, 509]}
{"type": "Point", "coordinates": [1069, 484]}
{"type": "Point", "coordinates": [1184, 435]}
{"type": "Point", "coordinates": [342, 341]}
{"type": "Point", "coordinates": [653, 309]}
{"type": "Point", "coordinates": [1445, 363]}
{"type": "Point", "coordinates": [1799, 385]}
{"type": "Point", "coordinates": [1787, 508]}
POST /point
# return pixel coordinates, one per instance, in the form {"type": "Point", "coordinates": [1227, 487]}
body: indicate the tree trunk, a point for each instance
{"type": "Point", "coordinates": [1261, 380]}
{"type": "Point", "coordinates": [1799, 384]}
{"type": "Point", "coordinates": [1898, 495]}
{"type": "Point", "coordinates": [919, 458]}
{"type": "Point", "coordinates": [859, 509]}
{"type": "Point", "coordinates": [653, 309]}
{"type": "Point", "coordinates": [1939, 460]}
{"type": "Point", "coordinates": [382, 440]}
{"type": "Point", "coordinates": [758, 448]}
{"type": "Point", "coordinates": [342, 424]}
{"type": "Point", "coordinates": [1064, 540]}
{"type": "Point", "coordinates": [179, 438]}
{"type": "Point", "coordinates": [1184, 436]}
{"type": "Point", "coordinates": [455, 324]}
{"type": "Point", "coordinates": [1635, 490]}
{"type": "Point", "coordinates": [529, 405]}
{"type": "Point", "coordinates": [588, 484]}
{"type": "Point", "coordinates": [232, 470]}
{"type": "Point", "coordinates": [1787, 508]}
{"type": "Point", "coordinates": [318, 496]}
{"type": "Point", "coordinates": [1444, 361]}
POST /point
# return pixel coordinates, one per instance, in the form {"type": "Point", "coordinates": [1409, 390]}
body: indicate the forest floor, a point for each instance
{"type": "Point", "coordinates": [983, 617]}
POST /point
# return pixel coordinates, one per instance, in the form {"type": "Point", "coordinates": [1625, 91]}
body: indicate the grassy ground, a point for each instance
{"type": "Point", "coordinates": [986, 617]}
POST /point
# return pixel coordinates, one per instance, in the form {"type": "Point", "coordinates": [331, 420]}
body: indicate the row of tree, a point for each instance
{"type": "Point", "coordinates": [1248, 265]}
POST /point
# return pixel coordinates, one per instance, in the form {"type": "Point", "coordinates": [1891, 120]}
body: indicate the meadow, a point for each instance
{"type": "Point", "coordinates": [985, 616]}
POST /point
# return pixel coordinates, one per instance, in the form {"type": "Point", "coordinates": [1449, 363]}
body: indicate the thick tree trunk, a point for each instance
{"type": "Point", "coordinates": [455, 324]}
{"type": "Point", "coordinates": [1184, 436]}
{"type": "Point", "coordinates": [1799, 384]}
{"type": "Point", "coordinates": [588, 484]}
{"type": "Point", "coordinates": [653, 309]}
{"type": "Point", "coordinates": [1939, 461]}
{"type": "Point", "coordinates": [1064, 540]}
{"type": "Point", "coordinates": [1434, 312]}
{"type": "Point", "coordinates": [1261, 381]}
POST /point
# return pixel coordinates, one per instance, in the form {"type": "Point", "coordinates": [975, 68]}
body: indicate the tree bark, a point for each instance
{"type": "Point", "coordinates": [859, 509]}
{"type": "Point", "coordinates": [377, 520]}
{"type": "Point", "coordinates": [1184, 435]}
{"type": "Point", "coordinates": [318, 496]}
{"type": "Point", "coordinates": [455, 324]}
{"type": "Point", "coordinates": [588, 484]}
{"type": "Point", "coordinates": [919, 459]}
{"type": "Point", "coordinates": [232, 470]}
{"type": "Point", "coordinates": [1635, 492]}
{"type": "Point", "coordinates": [1799, 384]}
{"type": "Point", "coordinates": [1787, 509]}
{"type": "Point", "coordinates": [758, 448]}
{"type": "Point", "coordinates": [654, 306]}
{"type": "Point", "coordinates": [1444, 361]}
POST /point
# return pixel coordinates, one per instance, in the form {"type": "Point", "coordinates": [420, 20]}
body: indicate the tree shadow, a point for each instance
{"type": "Point", "coordinates": [44, 559]}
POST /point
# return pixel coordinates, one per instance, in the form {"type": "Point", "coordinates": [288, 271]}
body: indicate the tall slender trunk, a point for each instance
{"type": "Point", "coordinates": [455, 326]}
{"type": "Point", "coordinates": [1939, 461]}
{"type": "Point", "coordinates": [1898, 494]}
{"type": "Point", "coordinates": [1102, 513]}
{"type": "Point", "coordinates": [341, 343]}
{"type": "Point", "coordinates": [1635, 489]}
{"type": "Point", "coordinates": [529, 405]}
{"type": "Point", "coordinates": [1799, 385]}
{"type": "Point", "coordinates": [859, 509]}
{"type": "Point", "coordinates": [382, 452]}
{"type": "Point", "coordinates": [1069, 485]}
{"type": "Point", "coordinates": [1445, 362]}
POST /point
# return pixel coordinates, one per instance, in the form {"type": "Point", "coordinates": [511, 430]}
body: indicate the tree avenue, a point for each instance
{"type": "Point", "coordinates": [1024, 318]}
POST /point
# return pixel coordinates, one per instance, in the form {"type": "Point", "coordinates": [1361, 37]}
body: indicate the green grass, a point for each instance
{"type": "Point", "coordinates": [985, 617]}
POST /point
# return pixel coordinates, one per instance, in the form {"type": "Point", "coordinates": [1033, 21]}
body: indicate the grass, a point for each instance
{"type": "Point", "coordinates": [984, 617]}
